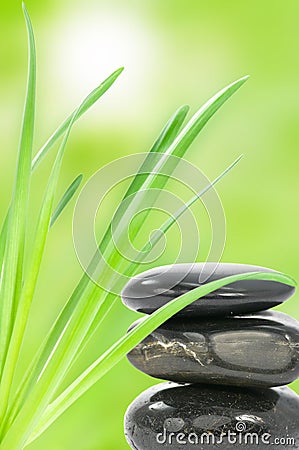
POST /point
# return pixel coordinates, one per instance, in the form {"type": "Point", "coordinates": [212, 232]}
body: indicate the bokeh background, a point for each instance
{"type": "Point", "coordinates": [174, 52]}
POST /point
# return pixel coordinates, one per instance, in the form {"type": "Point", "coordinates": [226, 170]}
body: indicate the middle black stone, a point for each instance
{"type": "Point", "coordinates": [251, 350]}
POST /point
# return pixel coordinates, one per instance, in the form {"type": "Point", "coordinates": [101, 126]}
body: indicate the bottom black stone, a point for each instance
{"type": "Point", "coordinates": [198, 416]}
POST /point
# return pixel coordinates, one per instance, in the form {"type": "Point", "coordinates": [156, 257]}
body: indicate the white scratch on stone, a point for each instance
{"type": "Point", "coordinates": [170, 346]}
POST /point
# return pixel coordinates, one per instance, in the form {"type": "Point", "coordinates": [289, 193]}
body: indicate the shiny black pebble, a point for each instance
{"type": "Point", "coordinates": [152, 289]}
{"type": "Point", "coordinates": [185, 416]}
{"type": "Point", "coordinates": [259, 350]}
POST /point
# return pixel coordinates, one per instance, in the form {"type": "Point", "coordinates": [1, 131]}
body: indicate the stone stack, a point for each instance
{"type": "Point", "coordinates": [225, 356]}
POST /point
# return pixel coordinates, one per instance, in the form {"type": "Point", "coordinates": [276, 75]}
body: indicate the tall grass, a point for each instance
{"type": "Point", "coordinates": [30, 408]}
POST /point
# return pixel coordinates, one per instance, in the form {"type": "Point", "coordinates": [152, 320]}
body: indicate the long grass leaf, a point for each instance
{"type": "Point", "coordinates": [106, 84]}
{"type": "Point", "coordinates": [35, 262]}
{"type": "Point", "coordinates": [178, 148]}
{"type": "Point", "coordinates": [53, 140]}
{"type": "Point", "coordinates": [125, 344]}
{"type": "Point", "coordinates": [197, 122]}
{"type": "Point", "coordinates": [66, 198]}
{"type": "Point", "coordinates": [156, 236]}
{"type": "Point", "coordinates": [3, 241]}
{"type": "Point", "coordinates": [30, 282]}
{"type": "Point", "coordinates": [164, 141]}
{"type": "Point", "coordinates": [12, 271]}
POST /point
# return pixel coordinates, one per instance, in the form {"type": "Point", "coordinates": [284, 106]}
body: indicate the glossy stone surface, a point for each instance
{"type": "Point", "coordinates": [186, 416]}
{"type": "Point", "coordinates": [152, 289]}
{"type": "Point", "coordinates": [253, 350]}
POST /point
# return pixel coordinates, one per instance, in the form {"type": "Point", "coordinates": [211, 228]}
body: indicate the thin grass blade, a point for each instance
{"type": "Point", "coordinates": [178, 148]}
{"type": "Point", "coordinates": [12, 273]}
{"type": "Point", "coordinates": [34, 266]}
{"type": "Point", "coordinates": [156, 236]}
{"type": "Point", "coordinates": [165, 139]}
{"type": "Point", "coordinates": [197, 122]}
{"type": "Point", "coordinates": [106, 84]}
{"type": "Point", "coordinates": [66, 198]}
{"type": "Point", "coordinates": [3, 241]}
{"type": "Point", "coordinates": [53, 140]}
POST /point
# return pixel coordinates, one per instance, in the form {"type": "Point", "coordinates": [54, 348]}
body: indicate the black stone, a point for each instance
{"type": "Point", "coordinates": [260, 350]}
{"type": "Point", "coordinates": [213, 417]}
{"type": "Point", "coordinates": [152, 289]}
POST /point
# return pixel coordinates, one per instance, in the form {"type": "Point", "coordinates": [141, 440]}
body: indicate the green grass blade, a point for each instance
{"type": "Point", "coordinates": [3, 240]}
{"type": "Point", "coordinates": [198, 121]}
{"type": "Point", "coordinates": [168, 223]}
{"type": "Point", "coordinates": [164, 140]}
{"type": "Point", "coordinates": [106, 305]}
{"type": "Point", "coordinates": [125, 344]}
{"type": "Point", "coordinates": [64, 126]}
{"type": "Point", "coordinates": [66, 198]}
{"type": "Point", "coordinates": [30, 282]}
{"type": "Point", "coordinates": [16, 222]}
{"type": "Point", "coordinates": [178, 148]}
{"type": "Point", "coordinates": [34, 266]}
{"type": "Point", "coordinates": [54, 138]}
{"type": "Point", "coordinates": [52, 141]}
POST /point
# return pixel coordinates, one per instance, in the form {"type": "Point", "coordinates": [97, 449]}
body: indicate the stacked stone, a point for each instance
{"type": "Point", "coordinates": [225, 356]}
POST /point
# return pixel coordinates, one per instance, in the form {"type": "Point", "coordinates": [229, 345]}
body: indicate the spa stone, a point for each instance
{"type": "Point", "coordinates": [152, 289]}
{"type": "Point", "coordinates": [213, 417]}
{"type": "Point", "coordinates": [261, 349]}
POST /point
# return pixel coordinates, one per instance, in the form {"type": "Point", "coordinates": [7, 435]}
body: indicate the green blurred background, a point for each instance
{"type": "Point", "coordinates": [174, 52]}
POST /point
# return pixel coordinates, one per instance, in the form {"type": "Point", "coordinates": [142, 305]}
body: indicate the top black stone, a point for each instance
{"type": "Point", "coordinates": [154, 288]}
